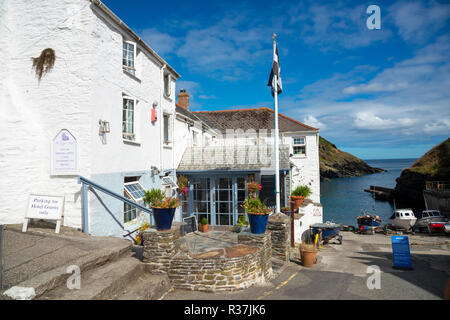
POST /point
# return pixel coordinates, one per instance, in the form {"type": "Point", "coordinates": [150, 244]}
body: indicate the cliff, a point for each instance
{"type": "Point", "coordinates": [335, 163]}
{"type": "Point", "coordinates": [432, 166]}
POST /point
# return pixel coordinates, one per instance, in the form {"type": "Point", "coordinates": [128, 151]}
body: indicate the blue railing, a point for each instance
{"type": "Point", "coordinates": [90, 185]}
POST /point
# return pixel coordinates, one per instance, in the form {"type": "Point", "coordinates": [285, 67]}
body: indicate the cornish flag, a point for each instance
{"type": "Point", "coordinates": [275, 71]}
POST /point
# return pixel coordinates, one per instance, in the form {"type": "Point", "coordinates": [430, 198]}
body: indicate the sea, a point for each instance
{"type": "Point", "coordinates": [344, 198]}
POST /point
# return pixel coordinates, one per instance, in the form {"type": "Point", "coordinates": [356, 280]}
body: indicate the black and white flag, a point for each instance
{"type": "Point", "coordinates": [275, 71]}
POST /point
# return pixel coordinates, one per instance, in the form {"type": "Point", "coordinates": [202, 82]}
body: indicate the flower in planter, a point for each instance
{"type": "Point", "coordinates": [253, 187]}
{"type": "Point", "coordinates": [183, 185]}
{"type": "Point", "coordinates": [157, 199]}
{"type": "Point", "coordinates": [253, 205]}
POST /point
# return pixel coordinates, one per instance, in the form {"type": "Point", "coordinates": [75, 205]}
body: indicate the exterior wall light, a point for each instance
{"type": "Point", "coordinates": [104, 126]}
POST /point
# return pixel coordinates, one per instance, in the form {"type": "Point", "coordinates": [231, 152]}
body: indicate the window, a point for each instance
{"type": "Point", "coordinates": [133, 191]}
{"type": "Point", "coordinates": [128, 57]}
{"type": "Point", "coordinates": [167, 85]}
{"type": "Point", "coordinates": [166, 128]}
{"type": "Point", "coordinates": [194, 138]}
{"type": "Point", "coordinates": [128, 128]}
{"type": "Point", "coordinates": [299, 146]}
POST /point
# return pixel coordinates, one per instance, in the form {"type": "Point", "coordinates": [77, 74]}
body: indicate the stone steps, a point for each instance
{"type": "Point", "coordinates": [125, 279]}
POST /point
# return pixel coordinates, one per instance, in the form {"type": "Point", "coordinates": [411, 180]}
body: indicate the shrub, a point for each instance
{"type": "Point", "coordinates": [253, 205]}
{"type": "Point", "coordinates": [301, 191]}
{"type": "Point", "coordinates": [156, 199]}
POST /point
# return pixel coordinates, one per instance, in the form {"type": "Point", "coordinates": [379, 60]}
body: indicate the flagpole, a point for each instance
{"type": "Point", "coordinates": [277, 150]}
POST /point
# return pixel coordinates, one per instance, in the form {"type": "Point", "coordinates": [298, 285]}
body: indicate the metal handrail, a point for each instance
{"type": "Point", "coordinates": [439, 186]}
{"type": "Point", "coordinates": [86, 184]}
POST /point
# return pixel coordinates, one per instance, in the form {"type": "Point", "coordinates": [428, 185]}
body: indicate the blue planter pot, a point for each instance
{"type": "Point", "coordinates": [163, 218]}
{"type": "Point", "coordinates": [258, 223]}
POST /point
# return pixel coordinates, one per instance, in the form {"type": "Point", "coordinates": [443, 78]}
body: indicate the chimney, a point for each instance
{"type": "Point", "coordinates": [183, 99]}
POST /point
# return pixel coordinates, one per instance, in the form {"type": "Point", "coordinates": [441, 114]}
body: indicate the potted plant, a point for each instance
{"type": "Point", "coordinates": [257, 212]}
{"type": "Point", "coordinates": [163, 207]}
{"type": "Point", "coordinates": [308, 254]}
{"type": "Point", "coordinates": [183, 185]}
{"type": "Point", "coordinates": [241, 224]}
{"type": "Point", "coordinates": [204, 223]}
{"type": "Point", "coordinates": [286, 210]}
{"type": "Point", "coordinates": [299, 194]}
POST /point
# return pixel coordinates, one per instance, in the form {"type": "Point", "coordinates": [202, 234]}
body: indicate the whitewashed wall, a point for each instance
{"type": "Point", "coordinates": [85, 85]}
{"type": "Point", "coordinates": [306, 170]}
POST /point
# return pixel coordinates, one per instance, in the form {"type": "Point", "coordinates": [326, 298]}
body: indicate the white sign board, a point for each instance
{"type": "Point", "coordinates": [64, 154]}
{"type": "Point", "coordinates": [44, 207]}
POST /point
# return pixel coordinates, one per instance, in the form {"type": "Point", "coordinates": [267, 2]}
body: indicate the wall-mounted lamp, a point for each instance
{"type": "Point", "coordinates": [154, 170]}
{"type": "Point", "coordinates": [104, 126]}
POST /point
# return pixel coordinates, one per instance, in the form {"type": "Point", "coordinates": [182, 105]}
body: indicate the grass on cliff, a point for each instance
{"type": "Point", "coordinates": [435, 163]}
{"type": "Point", "coordinates": [329, 154]}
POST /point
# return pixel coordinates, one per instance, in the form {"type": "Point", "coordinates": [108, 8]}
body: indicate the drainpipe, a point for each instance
{"type": "Point", "coordinates": [161, 118]}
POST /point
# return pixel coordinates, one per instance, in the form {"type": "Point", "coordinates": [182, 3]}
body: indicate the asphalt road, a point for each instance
{"type": "Point", "coordinates": [342, 273]}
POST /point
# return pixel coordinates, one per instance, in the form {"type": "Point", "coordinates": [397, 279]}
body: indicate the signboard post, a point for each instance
{"type": "Point", "coordinates": [64, 154]}
{"type": "Point", "coordinates": [401, 253]}
{"type": "Point", "coordinates": [46, 208]}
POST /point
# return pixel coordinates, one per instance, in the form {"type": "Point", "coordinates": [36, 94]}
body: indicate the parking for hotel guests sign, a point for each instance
{"type": "Point", "coordinates": [46, 208]}
{"type": "Point", "coordinates": [64, 154]}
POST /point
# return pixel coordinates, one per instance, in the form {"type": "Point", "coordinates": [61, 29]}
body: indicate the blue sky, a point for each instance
{"type": "Point", "coordinates": [374, 93]}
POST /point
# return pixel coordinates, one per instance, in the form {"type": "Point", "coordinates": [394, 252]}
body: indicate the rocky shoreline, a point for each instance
{"type": "Point", "coordinates": [335, 163]}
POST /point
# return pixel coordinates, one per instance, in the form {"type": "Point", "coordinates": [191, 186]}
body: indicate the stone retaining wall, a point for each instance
{"type": "Point", "coordinates": [228, 269]}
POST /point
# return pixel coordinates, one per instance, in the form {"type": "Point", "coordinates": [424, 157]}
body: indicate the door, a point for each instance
{"type": "Point", "coordinates": [201, 199]}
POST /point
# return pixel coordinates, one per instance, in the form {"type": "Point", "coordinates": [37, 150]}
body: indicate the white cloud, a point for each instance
{"type": "Point", "coordinates": [417, 21]}
{"type": "Point", "coordinates": [313, 122]}
{"type": "Point", "coordinates": [438, 127]}
{"type": "Point", "coordinates": [162, 43]}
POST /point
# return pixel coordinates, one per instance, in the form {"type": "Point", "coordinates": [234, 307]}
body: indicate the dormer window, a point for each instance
{"type": "Point", "coordinates": [167, 85]}
{"type": "Point", "coordinates": [129, 57]}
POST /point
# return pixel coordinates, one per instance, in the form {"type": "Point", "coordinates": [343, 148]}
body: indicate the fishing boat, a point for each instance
{"type": "Point", "coordinates": [431, 221]}
{"type": "Point", "coordinates": [403, 219]}
{"type": "Point", "coordinates": [368, 220]}
{"type": "Point", "coordinates": [447, 228]}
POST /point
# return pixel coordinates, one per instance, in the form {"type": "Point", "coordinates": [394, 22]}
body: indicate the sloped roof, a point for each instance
{"type": "Point", "coordinates": [256, 118]}
{"type": "Point", "coordinates": [232, 158]}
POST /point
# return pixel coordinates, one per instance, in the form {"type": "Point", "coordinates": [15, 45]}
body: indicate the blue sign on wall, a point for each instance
{"type": "Point", "coordinates": [400, 252]}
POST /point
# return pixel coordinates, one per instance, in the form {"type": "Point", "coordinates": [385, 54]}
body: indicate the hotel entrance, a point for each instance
{"type": "Point", "coordinates": [217, 198]}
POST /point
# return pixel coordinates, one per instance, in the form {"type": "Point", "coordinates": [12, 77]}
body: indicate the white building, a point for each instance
{"type": "Point", "coordinates": [240, 150]}
{"type": "Point", "coordinates": [101, 91]}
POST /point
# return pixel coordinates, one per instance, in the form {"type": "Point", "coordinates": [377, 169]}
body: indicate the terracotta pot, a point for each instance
{"type": "Point", "coordinates": [308, 255]}
{"type": "Point", "coordinates": [298, 200]}
{"type": "Point", "coordinates": [204, 227]}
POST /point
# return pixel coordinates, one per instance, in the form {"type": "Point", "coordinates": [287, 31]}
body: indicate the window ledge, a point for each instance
{"type": "Point", "coordinates": [135, 143]}
{"type": "Point", "coordinates": [298, 157]}
{"type": "Point", "coordinates": [167, 145]}
{"type": "Point", "coordinates": [131, 75]}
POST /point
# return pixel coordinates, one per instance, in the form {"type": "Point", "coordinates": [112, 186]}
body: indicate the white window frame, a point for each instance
{"type": "Point", "coordinates": [195, 134]}
{"type": "Point", "coordinates": [126, 135]}
{"type": "Point", "coordinates": [298, 145]}
{"type": "Point", "coordinates": [131, 70]}
{"type": "Point", "coordinates": [167, 93]}
{"type": "Point", "coordinates": [128, 195]}
{"type": "Point", "coordinates": [169, 130]}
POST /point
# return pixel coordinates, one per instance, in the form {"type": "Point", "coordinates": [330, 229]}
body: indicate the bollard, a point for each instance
{"type": "Point", "coordinates": [1, 255]}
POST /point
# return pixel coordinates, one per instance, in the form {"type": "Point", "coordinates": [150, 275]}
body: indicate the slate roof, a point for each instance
{"type": "Point", "coordinates": [256, 118]}
{"type": "Point", "coordinates": [229, 158]}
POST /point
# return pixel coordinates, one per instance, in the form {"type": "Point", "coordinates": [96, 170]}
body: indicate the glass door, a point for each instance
{"type": "Point", "coordinates": [202, 199]}
{"type": "Point", "coordinates": [224, 201]}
